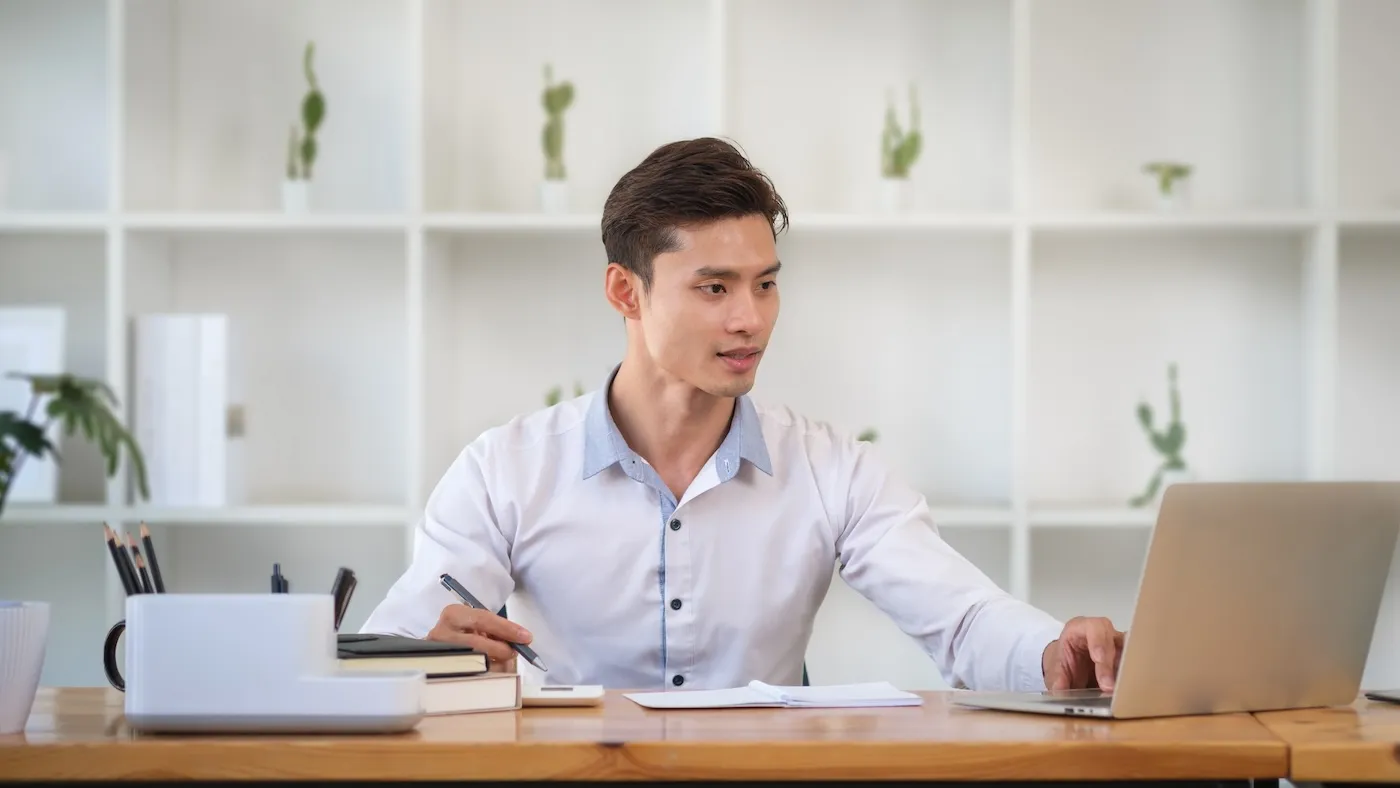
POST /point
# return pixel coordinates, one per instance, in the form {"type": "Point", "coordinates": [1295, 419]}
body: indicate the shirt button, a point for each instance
{"type": "Point", "coordinates": [675, 604]}
{"type": "Point", "coordinates": [678, 680]}
{"type": "Point", "coordinates": [675, 525]}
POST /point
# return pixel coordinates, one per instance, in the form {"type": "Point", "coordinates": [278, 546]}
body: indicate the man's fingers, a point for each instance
{"type": "Point", "coordinates": [495, 650]}
{"type": "Point", "coordinates": [1103, 649]}
{"type": "Point", "coordinates": [470, 619]}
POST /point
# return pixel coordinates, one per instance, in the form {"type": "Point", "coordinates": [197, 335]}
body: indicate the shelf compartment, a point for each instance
{"type": "Point", "coordinates": [943, 411]}
{"type": "Point", "coordinates": [208, 127]}
{"type": "Point", "coordinates": [316, 356]}
{"type": "Point", "coordinates": [1368, 172]}
{"type": "Point", "coordinates": [1368, 354]}
{"type": "Point", "coordinates": [955, 53]}
{"type": "Point", "coordinates": [1221, 86]}
{"type": "Point", "coordinates": [1107, 317]}
{"type": "Point", "coordinates": [53, 86]}
{"type": "Point", "coordinates": [59, 269]}
{"type": "Point", "coordinates": [483, 69]}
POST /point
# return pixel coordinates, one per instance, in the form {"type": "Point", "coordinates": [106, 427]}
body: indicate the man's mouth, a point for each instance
{"type": "Point", "coordinates": [740, 359]}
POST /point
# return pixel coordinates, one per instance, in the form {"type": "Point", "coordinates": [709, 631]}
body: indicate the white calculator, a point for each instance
{"type": "Point", "coordinates": [561, 694]}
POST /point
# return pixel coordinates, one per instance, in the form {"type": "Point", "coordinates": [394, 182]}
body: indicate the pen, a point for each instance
{"type": "Point", "coordinates": [451, 584]}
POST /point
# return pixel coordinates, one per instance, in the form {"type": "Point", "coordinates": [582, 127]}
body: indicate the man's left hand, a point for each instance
{"type": "Point", "coordinates": [1085, 655]}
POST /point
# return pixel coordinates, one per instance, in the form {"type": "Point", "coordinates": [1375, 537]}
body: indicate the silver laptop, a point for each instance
{"type": "Point", "coordinates": [1253, 596]}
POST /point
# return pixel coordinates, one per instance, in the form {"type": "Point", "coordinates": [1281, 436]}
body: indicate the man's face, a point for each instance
{"type": "Point", "coordinates": [713, 305]}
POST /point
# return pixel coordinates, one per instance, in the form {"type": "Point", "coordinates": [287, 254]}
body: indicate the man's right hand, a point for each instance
{"type": "Point", "coordinates": [482, 630]}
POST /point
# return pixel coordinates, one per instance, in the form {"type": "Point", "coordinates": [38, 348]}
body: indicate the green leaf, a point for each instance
{"type": "Point", "coordinates": [28, 436]}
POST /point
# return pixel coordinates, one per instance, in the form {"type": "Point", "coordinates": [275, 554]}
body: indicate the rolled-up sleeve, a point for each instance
{"type": "Point", "coordinates": [891, 552]}
{"type": "Point", "coordinates": [459, 533]}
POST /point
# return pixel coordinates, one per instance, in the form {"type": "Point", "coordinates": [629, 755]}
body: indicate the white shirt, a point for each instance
{"type": "Point", "coordinates": [622, 585]}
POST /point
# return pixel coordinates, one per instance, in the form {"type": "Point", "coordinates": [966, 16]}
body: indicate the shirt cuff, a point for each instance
{"type": "Point", "coordinates": [1030, 661]}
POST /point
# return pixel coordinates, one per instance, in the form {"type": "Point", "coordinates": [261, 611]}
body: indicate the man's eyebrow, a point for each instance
{"type": "Point", "coordinates": [711, 272]}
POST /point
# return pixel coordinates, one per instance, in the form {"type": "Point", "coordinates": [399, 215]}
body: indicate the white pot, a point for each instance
{"type": "Point", "coordinates": [24, 636]}
{"type": "Point", "coordinates": [554, 196]}
{"type": "Point", "coordinates": [296, 195]}
{"type": "Point", "coordinates": [895, 194]}
{"type": "Point", "coordinates": [1178, 198]}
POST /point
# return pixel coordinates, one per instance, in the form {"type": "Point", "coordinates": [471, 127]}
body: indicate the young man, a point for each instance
{"type": "Point", "coordinates": [666, 531]}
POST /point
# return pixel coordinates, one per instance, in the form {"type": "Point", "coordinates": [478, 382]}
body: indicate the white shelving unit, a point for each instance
{"type": "Point", "coordinates": [999, 335]}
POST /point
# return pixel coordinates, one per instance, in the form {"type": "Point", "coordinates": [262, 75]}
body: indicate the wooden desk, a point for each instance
{"type": "Point", "coordinates": [1356, 743]}
{"type": "Point", "coordinates": [81, 734]}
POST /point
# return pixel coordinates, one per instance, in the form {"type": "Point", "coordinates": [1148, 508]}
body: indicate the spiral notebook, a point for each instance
{"type": "Point", "coordinates": [762, 695]}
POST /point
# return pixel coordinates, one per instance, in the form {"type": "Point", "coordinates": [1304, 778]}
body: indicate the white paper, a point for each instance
{"type": "Point", "coordinates": [761, 695]}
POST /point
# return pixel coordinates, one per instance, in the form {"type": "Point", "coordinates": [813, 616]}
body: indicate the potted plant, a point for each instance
{"type": "Point", "coordinates": [1167, 443]}
{"type": "Point", "coordinates": [554, 189]}
{"type": "Point", "coordinates": [74, 404]}
{"type": "Point", "coordinates": [301, 145]}
{"type": "Point", "coordinates": [899, 149]}
{"type": "Point", "coordinates": [1172, 180]}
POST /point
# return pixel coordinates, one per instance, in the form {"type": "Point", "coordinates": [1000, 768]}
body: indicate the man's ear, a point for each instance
{"type": "Point", "coordinates": [623, 291]}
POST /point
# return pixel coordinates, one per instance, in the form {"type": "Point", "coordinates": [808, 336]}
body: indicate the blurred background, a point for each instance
{"type": "Point", "coordinates": [315, 247]}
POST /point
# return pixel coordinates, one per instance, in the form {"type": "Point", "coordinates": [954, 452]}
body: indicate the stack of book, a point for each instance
{"type": "Point", "coordinates": [457, 676]}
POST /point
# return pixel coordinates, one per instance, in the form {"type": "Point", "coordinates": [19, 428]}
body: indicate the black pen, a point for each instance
{"type": "Point", "coordinates": [451, 584]}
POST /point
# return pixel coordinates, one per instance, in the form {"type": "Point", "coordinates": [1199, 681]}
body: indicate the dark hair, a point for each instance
{"type": "Point", "coordinates": [683, 183]}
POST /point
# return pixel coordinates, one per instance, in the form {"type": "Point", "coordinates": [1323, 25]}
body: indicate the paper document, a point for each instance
{"type": "Point", "coordinates": [761, 695]}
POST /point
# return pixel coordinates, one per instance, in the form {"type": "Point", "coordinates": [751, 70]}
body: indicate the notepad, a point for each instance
{"type": "Point", "coordinates": [762, 695]}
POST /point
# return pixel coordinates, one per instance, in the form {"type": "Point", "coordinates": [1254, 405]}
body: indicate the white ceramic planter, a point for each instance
{"type": "Point", "coordinates": [296, 196]}
{"type": "Point", "coordinates": [894, 194]}
{"type": "Point", "coordinates": [1178, 198]}
{"type": "Point", "coordinates": [554, 196]}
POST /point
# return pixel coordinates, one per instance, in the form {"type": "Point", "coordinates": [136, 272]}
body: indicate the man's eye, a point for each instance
{"type": "Point", "coordinates": [713, 289]}
{"type": "Point", "coordinates": [768, 285]}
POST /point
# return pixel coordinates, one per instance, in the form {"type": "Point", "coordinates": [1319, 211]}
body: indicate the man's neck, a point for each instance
{"type": "Point", "coordinates": [673, 426]}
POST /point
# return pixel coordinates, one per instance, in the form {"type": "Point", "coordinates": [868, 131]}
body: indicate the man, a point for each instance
{"type": "Point", "coordinates": [665, 530]}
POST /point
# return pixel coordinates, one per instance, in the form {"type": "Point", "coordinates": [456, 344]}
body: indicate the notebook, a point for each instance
{"type": "Point", "coordinates": [762, 695]}
{"type": "Point", "coordinates": [394, 652]}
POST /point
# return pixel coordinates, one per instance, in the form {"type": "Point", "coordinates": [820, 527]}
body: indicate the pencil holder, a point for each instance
{"type": "Point", "coordinates": [248, 662]}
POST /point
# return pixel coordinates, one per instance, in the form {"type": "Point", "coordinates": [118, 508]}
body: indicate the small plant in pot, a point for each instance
{"type": "Point", "coordinates": [301, 143]}
{"type": "Point", "coordinates": [556, 98]}
{"type": "Point", "coordinates": [1172, 180]}
{"type": "Point", "coordinates": [1167, 443]}
{"type": "Point", "coordinates": [899, 149]}
{"type": "Point", "coordinates": [76, 405]}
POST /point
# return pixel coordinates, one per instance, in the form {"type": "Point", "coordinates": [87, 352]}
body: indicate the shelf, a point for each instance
{"type": "Point", "coordinates": [329, 515]}
{"type": "Point", "coordinates": [1071, 516]}
{"type": "Point", "coordinates": [255, 223]}
{"type": "Point", "coordinates": [971, 517]}
{"type": "Point", "coordinates": [1225, 221]}
{"type": "Point", "coordinates": [15, 222]}
{"type": "Point", "coordinates": [512, 222]}
{"type": "Point", "coordinates": [56, 514]}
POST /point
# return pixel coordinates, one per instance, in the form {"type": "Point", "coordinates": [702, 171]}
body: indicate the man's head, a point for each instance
{"type": "Point", "coordinates": [691, 238]}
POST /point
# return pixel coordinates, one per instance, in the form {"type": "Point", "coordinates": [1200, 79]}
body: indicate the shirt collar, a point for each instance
{"type": "Point", "coordinates": [604, 445]}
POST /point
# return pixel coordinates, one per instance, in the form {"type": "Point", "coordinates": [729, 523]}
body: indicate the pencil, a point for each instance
{"type": "Point", "coordinates": [140, 566]}
{"type": "Point", "coordinates": [145, 577]}
{"type": "Point", "coordinates": [115, 550]}
{"type": "Point", "coordinates": [156, 579]}
{"type": "Point", "coordinates": [126, 559]}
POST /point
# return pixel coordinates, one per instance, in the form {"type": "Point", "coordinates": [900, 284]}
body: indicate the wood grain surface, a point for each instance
{"type": "Point", "coordinates": [1356, 743]}
{"type": "Point", "coordinates": [80, 733]}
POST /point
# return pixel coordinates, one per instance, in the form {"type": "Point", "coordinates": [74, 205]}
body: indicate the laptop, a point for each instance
{"type": "Point", "coordinates": [1253, 596]}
